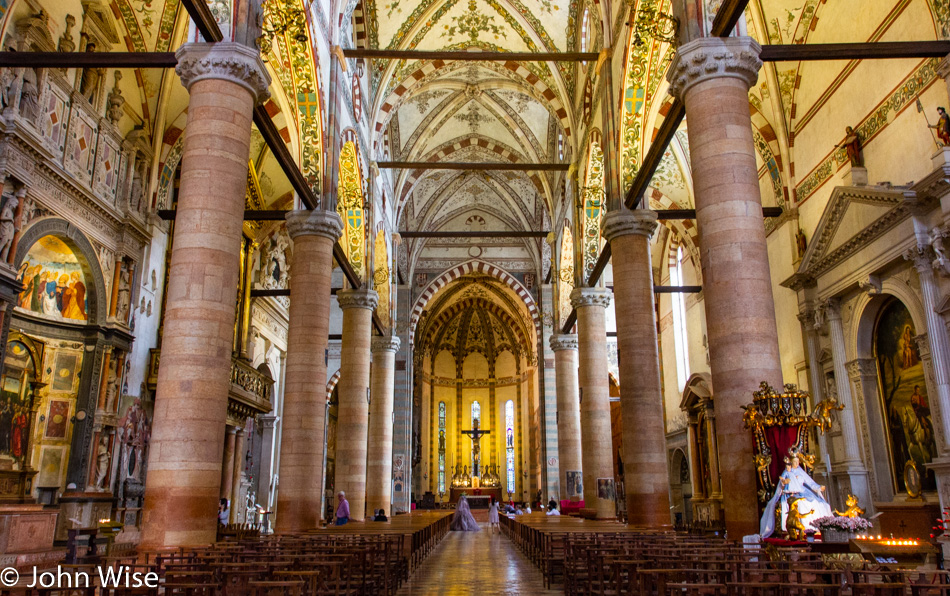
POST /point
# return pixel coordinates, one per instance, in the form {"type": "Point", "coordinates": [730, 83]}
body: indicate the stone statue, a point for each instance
{"type": "Point", "coordinates": [7, 87]}
{"type": "Point", "coordinates": [801, 243]}
{"type": "Point", "coordinates": [103, 458]}
{"type": "Point", "coordinates": [29, 95]}
{"type": "Point", "coordinates": [8, 228]}
{"type": "Point", "coordinates": [115, 101]}
{"type": "Point", "coordinates": [852, 147]}
{"type": "Point", "coordinates": [89, 82]}
{"type": "Point", "coordinates": [112, 382]}
{"type": "Point", "coordinates": [137, 194]}
{"type": "Point", "coordinates": [125, 290]}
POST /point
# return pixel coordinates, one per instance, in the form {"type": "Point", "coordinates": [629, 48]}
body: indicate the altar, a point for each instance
{"type": "Point", "coordinates": [476, 500]}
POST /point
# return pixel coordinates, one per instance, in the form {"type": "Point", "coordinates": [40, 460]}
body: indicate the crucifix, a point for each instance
{"type": "Point", "coordinates": [475, 435]}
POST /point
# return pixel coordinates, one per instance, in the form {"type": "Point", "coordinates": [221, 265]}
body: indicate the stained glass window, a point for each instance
{"type": "Point", "coordinates": [441, 447]}
{"type": "Point", "coordinates": [680, 344]}
{"type": "Point", "coordinates": [350, 206]}
{"type": "Point", "coordinates": [476, 419]}
{"type": "Point", "coordinates": [510, 443]}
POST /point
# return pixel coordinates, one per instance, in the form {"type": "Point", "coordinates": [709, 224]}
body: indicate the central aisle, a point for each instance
{"type": "Point", "coordinates": [476, 563]}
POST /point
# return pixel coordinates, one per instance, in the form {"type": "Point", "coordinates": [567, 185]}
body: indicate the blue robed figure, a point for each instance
{"type": "Point", "coordinates": [794, 482]}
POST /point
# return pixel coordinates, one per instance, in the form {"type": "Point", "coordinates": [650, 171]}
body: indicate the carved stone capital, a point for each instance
{"type": "Point", "coordinates": [385, 344]}
{"type": "Point", "coordinates": [861, 367]}
{"type": "Point", "coordinates": [228, 61]}
{"type": "Point", "coordinates": [361, 298]}
{"type": "Point", "coordinates": [922, 257]}
{"type": "Point", "coordinates": [621, 223]}
{"type": "Point", "coordinates": [563, 341]}
{"type": "Point", "coordinates": [590, 297]}
{"type": "Point", "coordinates": [712, 57]}
{"type": "Point", "coordinates": [314, 223]}
{"type": "Point", "coordinates": [832, 309]}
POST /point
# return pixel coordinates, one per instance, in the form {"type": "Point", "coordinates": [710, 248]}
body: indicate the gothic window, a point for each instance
{"type": "Point", "coordinates": [593, 206]}
{"type": "Point", "coordinates": [350, 205]}
{"type": "Point", "coordinates": [510, 444]}
{"type": "Point", "coordinates": [441, 447]}
{"type": "Point", "coordinates": [677, 256]}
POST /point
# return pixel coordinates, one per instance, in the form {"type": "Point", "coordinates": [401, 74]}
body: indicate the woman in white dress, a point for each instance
{"type": "Point", "coordinates": [493, 516]}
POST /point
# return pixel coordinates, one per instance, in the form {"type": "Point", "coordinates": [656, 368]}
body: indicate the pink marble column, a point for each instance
{"type": "Point", "coordinates": [353, 389]}
{"type": "Point", "coordinates": [646, 473]}
{"type": "Point", "coordinates": [569, 450]}
{"type": "Point", "coordinates": [237, 471]}
{"type": "Point", "coordinates": [713, 76]}
{"type": "Point", "coordinates": [227, 464]}
{"type": "Point", "coordinates": [596, 444]}
{"type": "Point", "coordinates": [302, 437]}
{"type": "Point", "coordinates": [225, 81]}
{"type": "Point", "coordinates": [379, 463]}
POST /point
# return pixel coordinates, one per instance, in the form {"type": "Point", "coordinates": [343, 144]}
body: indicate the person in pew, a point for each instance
{"type": "Point", "coordinates": [552, 509]}
{"type": "Point", "coordinates": [342, 509]}
{"type": "Point", "coordinates": [518, 510]}
{"type": "Point", "coordinates": [379, 515]}
{"type": "Point", "coordinates": [552, 503]}
{"type": "Point", "coordinates": [224, 512]}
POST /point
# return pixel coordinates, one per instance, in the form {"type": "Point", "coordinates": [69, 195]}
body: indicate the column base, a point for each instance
{"type": "Point", "coordinates": [941, 158]}
{"type": "Point", "coordinates": [941, 469]}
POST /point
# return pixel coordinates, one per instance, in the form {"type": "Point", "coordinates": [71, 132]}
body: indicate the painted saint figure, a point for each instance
{"type": "Point", "coordinates": [942, 126]}
{"type": "Point", "coordinates": [852, 147]}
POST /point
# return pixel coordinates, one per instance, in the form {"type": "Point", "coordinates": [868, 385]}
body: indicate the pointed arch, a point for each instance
{"type": "Point", "coordinates": [465, 268]}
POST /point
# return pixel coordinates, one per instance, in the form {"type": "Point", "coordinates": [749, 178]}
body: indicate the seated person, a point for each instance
{"type": "Point", "coordinates": [518, 510]}
{"type": "Point", "coordinates": [224, 512]}
{"type": "Point", "coordinates": [380, 515]}
{"type": "Point", "coordinates": [552, 509]}
{"type": "Point", "coordinates": [552, 503]}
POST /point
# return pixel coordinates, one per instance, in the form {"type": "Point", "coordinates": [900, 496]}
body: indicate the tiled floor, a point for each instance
{"type": "Point", "coordinates": [476, 563]}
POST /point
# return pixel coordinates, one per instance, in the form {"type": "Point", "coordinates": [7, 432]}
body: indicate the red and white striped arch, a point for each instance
{"type": "Point", "coordinates": [454, 273]}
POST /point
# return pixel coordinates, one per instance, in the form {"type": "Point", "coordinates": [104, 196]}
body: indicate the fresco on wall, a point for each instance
{"type": "Point", "coordinates": [15, 405]}
{"type": "Point", "coordinates": [53, 282]}
{"type": "Point", "coordinates": [904, 391]}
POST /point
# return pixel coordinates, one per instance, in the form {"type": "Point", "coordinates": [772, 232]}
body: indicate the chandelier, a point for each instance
{"type": "Point", "coordinates": [651, 22]}
{"type": "Point", "coordinates": [281, 18]}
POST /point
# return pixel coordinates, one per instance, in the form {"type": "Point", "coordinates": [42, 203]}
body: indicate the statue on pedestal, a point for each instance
{"type": "Point", "coordinates": [796, 490]}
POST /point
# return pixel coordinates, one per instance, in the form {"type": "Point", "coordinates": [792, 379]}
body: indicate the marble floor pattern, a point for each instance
{"type": "Point", "coordinates": [476, 563]}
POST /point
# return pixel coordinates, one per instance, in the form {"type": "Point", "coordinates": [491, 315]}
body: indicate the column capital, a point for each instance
{"type": "Point", "coordinates": [624, 222]}
{"type": "Point", "coordinates": [362, 298]}
{"type": "Point", "coordinates": [563, 341]}
{"type": "Point", "coordinates": [385, 344]}
{"type": "Point", "coordinates": [832, 309]}
{"type": "Point", "coordinates": [229, 61]}
{"type": "Point", "coordinates": [712, 57]}
{"type": "Point", "coordinates": [922, 256]}
{"type": "Point", "coordinates": [590, 297]}
{"type": "Point", "coordinates": [317, 222]}
{"type": "Point", "coordinates": [861, 367]}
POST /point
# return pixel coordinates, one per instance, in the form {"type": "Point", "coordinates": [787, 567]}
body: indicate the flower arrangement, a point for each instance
{"type": "Point", "coordinates": [942, 529]}
{"type": "Point", "coordinates": [840, 523]}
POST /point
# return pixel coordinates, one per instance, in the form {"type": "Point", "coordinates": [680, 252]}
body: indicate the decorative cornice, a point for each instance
{"type": "Point", "coordinates": [563, 341]}
{"type": "Point", "coordinates": [590, 297]}
{"type": "Point", "coordinates": [362, 298]}
{"type": "Point", "coordinates": [314, 223]}
{"type": "Point", "coordinates": [229, 61]}
{"type": "Point", "coordinates": [713, 57]}
{"type": "Point", "coordinates": [624, 222]}
{"type": "Point", "coordinates": [385, 344]}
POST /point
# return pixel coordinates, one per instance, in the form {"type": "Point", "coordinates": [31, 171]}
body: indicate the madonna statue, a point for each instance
{"type": "Point", "coordinates": [794, 485]}
{"type": "Point", "coordinates": [463, 520]}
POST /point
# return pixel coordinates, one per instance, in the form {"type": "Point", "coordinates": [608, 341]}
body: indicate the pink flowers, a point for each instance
{"type": "Point", "coordinates": [842, 524]}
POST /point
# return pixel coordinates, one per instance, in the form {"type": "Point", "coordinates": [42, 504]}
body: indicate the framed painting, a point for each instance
{"type": "Point", "coordinates": [54, 285]}
{"type": "Point", "coordinates": [65, 371]}
{"type": "Point", "coordinates": [56, 418]}
{"type": "Point", "coordinates": [51, 466]}
{"type": "Point", "coordinates": [906, 403]}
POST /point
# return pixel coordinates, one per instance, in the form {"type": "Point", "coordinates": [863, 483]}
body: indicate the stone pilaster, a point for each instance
{"type": "Point", "coordinates": [713, 76]}
{"type": "Point", "coordinates": [816, 386]}
{"type": "Point", "coordinates": [568, 411]}
{"type": "Point", "coordinates": [268, 427]}
{"type": "Point", "coordinates": [237, 474]}
{"type": "Point", "coordinates": [227, 464]}
{"type": "Point", "coordinates": [302, 433]}
{"type": "Point", "coordinates": [596, 445]}
{"type": "Point", "coordinates": [646, 473]}
{"type": "Point", "coordinates": [225, 81]}
{"type": "Point", "coordinates": [354, 394]}
{"type": "Point", "coordinates": [379, 464]}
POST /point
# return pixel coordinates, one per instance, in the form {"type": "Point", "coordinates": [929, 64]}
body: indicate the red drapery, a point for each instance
{"type": "Point", "coordinates": [779, 439]}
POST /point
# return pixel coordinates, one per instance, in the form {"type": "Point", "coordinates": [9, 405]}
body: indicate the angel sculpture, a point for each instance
{"type": "Point", "coordinates": [853, 510]}
{"type": "Point", "coordinates": [823, 410]}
